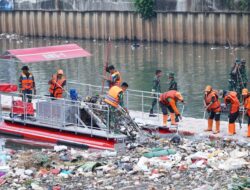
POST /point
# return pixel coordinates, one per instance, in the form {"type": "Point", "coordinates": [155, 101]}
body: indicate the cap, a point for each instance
{"type": "Point", "coordinates": [25, 68]}
{"type": "Point", "coordinates": [60, 72]}
{"type": "Point", "coordinates": [171, 74]}
{"type": "Point", "coordinates": [179, 96]}
{"type": "Point", "coordinates": [244, 91]}
{"type": "Point", "coordinates": [208, 88]}
{"type": "Point", "coordinates": [243, 61]}
{"type": "Point", "coordinates": [237, 61]}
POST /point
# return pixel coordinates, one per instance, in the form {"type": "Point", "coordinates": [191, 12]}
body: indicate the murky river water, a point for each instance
{"type": "Point", "coordinates": [195, 66]}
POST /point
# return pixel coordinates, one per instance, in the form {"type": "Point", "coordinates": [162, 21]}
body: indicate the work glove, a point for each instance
{"type": "Point", "coordinates": [178, 116]}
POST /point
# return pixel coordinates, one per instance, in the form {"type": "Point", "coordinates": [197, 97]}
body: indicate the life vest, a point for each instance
{"type": "Point", "coordinates": [27, 82]}
{"type": "Point", "coordinates": [118, 81]}
{"type": "Point", "coordinates": [167, 95]}
{"type": "Point", "coordinates": [112, 96]}
{"type": "Point", "coordinates": [56, 88]}
{"type": "Point", "coordinates": [247, 104]}
{"type": "Point", "coordinates": [215, 107]}
{"type": "Point", "coordinates": [231, 97]}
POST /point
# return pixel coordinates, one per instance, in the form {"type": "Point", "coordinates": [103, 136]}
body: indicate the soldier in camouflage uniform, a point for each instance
{"type": "Point", "coordinates": [172, 83]}
{"type": "Point", "coordinates": [238, 77]}
{"type": "Point", "coordinates": [156, 89]}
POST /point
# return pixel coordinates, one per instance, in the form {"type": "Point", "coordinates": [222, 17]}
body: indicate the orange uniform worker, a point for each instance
{"type": "Point", "coordinates": [57, 83]}
{"type": "Point", "coordinates": [230, 98]}
{"type": "Point", "coordinates": [212, 106]}
{"type": "Point", "coordinates": [168, 102]}
{"type": "Point", "coordinates": [115, 78]}
{"type": "Point", "coordinates": [27, 84]}
{"type": "Point", "coordinates": [246, 99]}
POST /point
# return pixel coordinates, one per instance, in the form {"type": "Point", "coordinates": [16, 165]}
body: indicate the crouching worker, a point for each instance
{"type": "Point", "coordinates": [114, 99]}
{"type": "Point", "coordinates": [168, 101]}
{"type": "Point", "coordinates": [230, 98]}
{"type": "Point", "coordinates": [57, 83]}
{"type": "Point", "coordinates": [246, 99]}
{"type": "Point", "coordinates": [212, 106]}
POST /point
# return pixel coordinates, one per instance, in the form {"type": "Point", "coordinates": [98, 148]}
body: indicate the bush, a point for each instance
{"type": "Point", "coordinates": [145, 8]}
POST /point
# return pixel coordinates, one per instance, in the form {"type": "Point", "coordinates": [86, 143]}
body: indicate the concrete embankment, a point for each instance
{"type": "Point", "coordinates": [177, 27]}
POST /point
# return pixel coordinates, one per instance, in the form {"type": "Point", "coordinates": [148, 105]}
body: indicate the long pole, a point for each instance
{"type": "Point", "coordinates": [106, 63]}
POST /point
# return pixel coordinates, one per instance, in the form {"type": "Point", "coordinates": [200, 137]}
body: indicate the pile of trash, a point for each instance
{"type": "Point", "coordinates": [9, 36]}
{"type": "Point", "coordinates": [198, 164]}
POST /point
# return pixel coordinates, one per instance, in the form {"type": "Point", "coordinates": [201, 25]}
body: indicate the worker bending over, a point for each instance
{"type": "Point", "coordinates": [212, 106]}
{"type": "Point", "coordinates": [168, 101]}
{"type": "Point", "coordinates": [57, 83]}
{"type": "Point", "coordinates": [27, 84]}
{"type": "Point", "coordinates": [246, 100]}
{"type": "Point", "coordinates": [230, 98]}
{"type": "Point", "coordinates": [115, 77]}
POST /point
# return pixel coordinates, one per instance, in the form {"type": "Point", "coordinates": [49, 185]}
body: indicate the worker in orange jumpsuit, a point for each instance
{"type": "Point", "coordinates": [230, 98]}
{"type": "Point", "coordinates": [168, 101]}
{"type": "Point", "coordinates": [212, 106]}
{"type": "Point", "coordinates": [246, 99]}
{"type": "Point", "coordinates": [115, 78]}
{"type": "Point", "coordinates": [57, 83]}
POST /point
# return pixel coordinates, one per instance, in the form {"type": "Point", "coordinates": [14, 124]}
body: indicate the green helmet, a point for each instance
{"type": "Point", "coordinates": [237, 61]}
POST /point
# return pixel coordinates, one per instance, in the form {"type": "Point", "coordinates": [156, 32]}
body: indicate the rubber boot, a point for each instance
{"type": "Point", "coordinates": [231, 129]}
{"type": "Point", "coordinates": [165, 120]}
{"type": "Point", "coordinates": [172, 117]}
{"type": "Point", "coordinates": [248, 132]}
{"type": "Point", "coordinates": [217, 125]}
{"type": "Point", "coordinates": [209, 125]}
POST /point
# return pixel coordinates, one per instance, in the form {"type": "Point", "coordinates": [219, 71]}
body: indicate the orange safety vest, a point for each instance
{"type": "Point", "coordinates": [164, 100]}
{"type": "Point", "coordinates": [247, 104]}
{"type": "Point", "coordinates": [166, 95]}
{"type": "Point", "coordinates": [118, 81]}
{"type": "Point", "coordinates": [234, 101]}
{"type": "Point", "coordinates": [56, 87]}
{"type": "Point", "coordinates": [215, 107]}
{"type": "Point", "coordinates": [27, 82]}
{"type": "Point", "coordinates": [112, 96]}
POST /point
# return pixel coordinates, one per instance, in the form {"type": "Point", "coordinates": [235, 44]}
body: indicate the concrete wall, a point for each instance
{"type": "Point", "coordinates": [211, 28]}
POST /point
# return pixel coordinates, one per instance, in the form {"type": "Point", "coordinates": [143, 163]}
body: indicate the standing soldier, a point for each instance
{"type": "Point", "coordinates": [246, 99]}
{"type": "Point", "coordinates": [238, 77]}
{"type": "Point", "coordinates": [115, 78]}
{"type": "Point", "coordinates": [156, 89]}
{"type": "Point", "coordinates": [230, 98]}
{"type": "Point", "coordinates": [212, 106]}
{"type": "Point", "coordinates": [27, 84]}
{"type": "Point", "coordinates": [172, 83]}
{"type": "Point", "coordinates": [168, 101]}
{"type": "Point", "coordinates": [57, 83]}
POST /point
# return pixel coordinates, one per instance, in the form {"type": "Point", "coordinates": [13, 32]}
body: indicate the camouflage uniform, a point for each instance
{"type": "Point", "coordinates": [238, 77]}
{"type": "Point", "coordinates": [172, 83]}
{"type": "Point", "coordinates": [155, 90]}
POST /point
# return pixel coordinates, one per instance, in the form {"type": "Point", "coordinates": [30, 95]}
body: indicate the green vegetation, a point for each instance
{"type": "Point", "coordinates": [241, 5]}
{"type": "Point", "coordinates": [145, 8]}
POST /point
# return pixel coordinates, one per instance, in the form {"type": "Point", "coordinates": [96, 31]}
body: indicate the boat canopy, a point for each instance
{"type": "Point", "coordinates": [49, 53]}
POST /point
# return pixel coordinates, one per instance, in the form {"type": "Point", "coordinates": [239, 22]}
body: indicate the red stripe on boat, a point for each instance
{"type": "Point", "coordinates": [47, 135]}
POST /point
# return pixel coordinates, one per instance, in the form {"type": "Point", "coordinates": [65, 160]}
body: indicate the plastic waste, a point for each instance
{"type": "Point", "coordinates": [158, 153]}
{"type": "Point", "coordinates": [60, 148]}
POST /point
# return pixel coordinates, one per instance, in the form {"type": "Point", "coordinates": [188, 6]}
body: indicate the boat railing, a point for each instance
{"type": "Point", "coordinates": [138, 102]}
{"type": "Point", "coordinates": [59, 114]}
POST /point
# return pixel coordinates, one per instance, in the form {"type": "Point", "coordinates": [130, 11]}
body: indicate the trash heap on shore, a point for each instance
{"type": "Point", "coordinates": [198, 164]}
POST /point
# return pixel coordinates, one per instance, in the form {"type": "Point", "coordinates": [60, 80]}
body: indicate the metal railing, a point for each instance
{"type": "Point", "coordinates": [58, 114]}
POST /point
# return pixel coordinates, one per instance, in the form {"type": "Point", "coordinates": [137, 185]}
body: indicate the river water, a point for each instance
{"type": "Point", "coordinates": [195, 66]}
